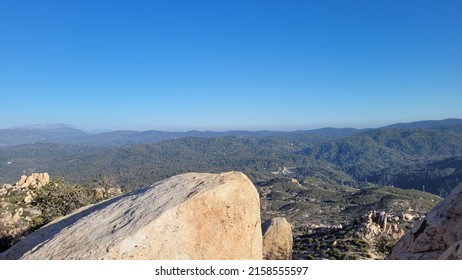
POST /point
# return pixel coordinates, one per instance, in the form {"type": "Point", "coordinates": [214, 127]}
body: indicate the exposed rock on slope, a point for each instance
{"type": "Point", "coordinates": [16, 212]}
{"type": "Point", "coordinates": [438, 235]}
{"type": "Point", "coordinates": [36, 180]}
{"type": "Point", "coordinates": [377, 224]}
{"type": "Point", "coordinates": [189, 216]}
{"type": "Point", "coordinates": [277, 239]}
{"type": "Point", "coordinates": [34, 201]}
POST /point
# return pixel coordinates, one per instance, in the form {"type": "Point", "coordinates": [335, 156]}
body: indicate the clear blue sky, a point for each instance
{"type": "Point", "coordinates": [229, 64]}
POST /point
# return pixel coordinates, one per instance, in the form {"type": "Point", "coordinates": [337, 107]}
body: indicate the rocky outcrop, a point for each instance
{"type": "Point", "coordinates": [438, 235]}
{"type": "Point", "coordinates": [35, 180]}
{"type": "Point", "coordinates": [16, 209]}
{"type": "Point", "coordinates": [189, 216]}
{"type": "Point", "coordinates": [277, 239]}
{"type": "Point", "coordinates": [378, 224]}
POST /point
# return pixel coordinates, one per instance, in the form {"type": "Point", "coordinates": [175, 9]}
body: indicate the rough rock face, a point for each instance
{"type": "Point", "coordinates": [376, 224]}
{"type": "Point", "coordinates": [15, 207]}
{"type": "Point", "coordinates": [35, 180]}
{"type": "Point", "coordinates": [277, 239]}
{"type": "Point", "coordinates": [438, 235]}
{"type": "Point", "coordinates": [189, 216]}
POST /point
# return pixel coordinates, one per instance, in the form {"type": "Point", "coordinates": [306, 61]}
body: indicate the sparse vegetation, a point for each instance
{"type": "Point", "coordinates": [53, 200]}
{"type": "Point", "coordinates": [384, 244]}
{"type": "Point", "coordinates": [331, 243]}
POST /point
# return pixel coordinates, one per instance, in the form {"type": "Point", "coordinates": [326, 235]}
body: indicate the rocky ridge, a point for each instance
{"type": "Point", "coordinates": [438, 235]}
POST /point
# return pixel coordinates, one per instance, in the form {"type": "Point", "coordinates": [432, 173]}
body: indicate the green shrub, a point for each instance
{"type": "Point", "coordinates": [384, 244]}
{"type": "Point", "coordinates": [58, 198]}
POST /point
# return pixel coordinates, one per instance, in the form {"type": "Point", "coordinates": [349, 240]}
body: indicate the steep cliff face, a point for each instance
{"type": "Point", "coordinates": [189, 216]}
{"type": "Point", "coordinates": [438, 235]}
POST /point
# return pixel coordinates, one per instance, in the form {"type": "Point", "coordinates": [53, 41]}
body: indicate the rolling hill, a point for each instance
{"type": "Point", "coordinates": [405, 157]}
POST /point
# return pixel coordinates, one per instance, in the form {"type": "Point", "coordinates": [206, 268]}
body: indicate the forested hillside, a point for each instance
{"type": "Point", "coordinates": [136, 165]}
{"type": "Point", "coordinates": [421, 158]}
{"type": "Point", "coordinates": [407, 158]}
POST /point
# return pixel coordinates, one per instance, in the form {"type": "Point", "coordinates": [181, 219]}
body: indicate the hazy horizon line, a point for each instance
{"type": "Point", "coordinates": [281, 128]}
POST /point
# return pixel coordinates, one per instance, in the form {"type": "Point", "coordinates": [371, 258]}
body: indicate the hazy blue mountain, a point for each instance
{"type": "Point", "coordinates": [18, 136]}
{"type": "Point", "coordinates": [428, 124]}
{"type": "Point", "coordinates": [65, 135]}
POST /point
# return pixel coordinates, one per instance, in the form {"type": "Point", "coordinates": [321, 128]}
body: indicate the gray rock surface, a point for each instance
{"type": "Point", "coordinates": [438, 235]}
{"type": "Point", "coordinates": [189, 216]}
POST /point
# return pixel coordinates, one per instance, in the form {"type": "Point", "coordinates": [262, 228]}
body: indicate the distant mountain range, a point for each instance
{"type": "Point", "coordinates": [66, 134]}
{"type": "Point", "coordinates": [422, 155]}
{"type": "Point", "coordinates": [427, 124]}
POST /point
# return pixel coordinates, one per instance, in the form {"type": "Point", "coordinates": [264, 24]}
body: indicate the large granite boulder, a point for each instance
{"type": "Point", "coordinates": [277, 239]}
{"type": "Point", "coordinates": [438, 235]}
{"type": "Point", "coordinates": [189, 216]}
